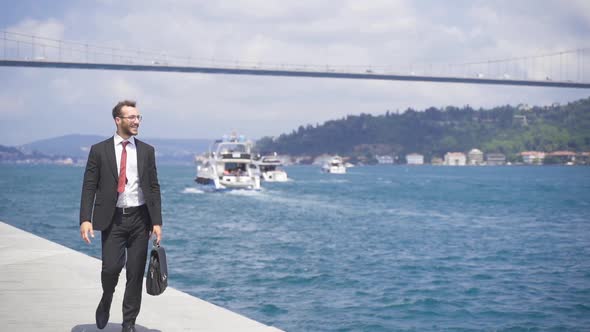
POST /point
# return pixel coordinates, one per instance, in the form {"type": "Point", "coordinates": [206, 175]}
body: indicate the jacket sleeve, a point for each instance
{"type": "Point", "coordinates": [156, 208]}
{"type": "Point", "coordinates": [89, 185]}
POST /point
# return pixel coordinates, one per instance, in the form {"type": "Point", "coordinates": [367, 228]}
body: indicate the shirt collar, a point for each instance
{"type": "Point", "coordinates": [118, 139]}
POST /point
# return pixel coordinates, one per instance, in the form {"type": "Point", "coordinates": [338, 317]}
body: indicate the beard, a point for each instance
{"type": "Point", "coordinates": [127, 130]}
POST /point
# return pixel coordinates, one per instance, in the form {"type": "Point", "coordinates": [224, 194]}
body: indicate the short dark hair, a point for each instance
{"type": "Point", "coordinates": [120, 105]}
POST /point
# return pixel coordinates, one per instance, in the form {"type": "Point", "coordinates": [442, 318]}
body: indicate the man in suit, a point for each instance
{"type": "Point", "coordinates": [121, 198]}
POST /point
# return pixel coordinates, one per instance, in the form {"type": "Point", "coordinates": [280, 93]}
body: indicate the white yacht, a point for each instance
{"type": "Point", "coordinates": [229, 165]}
{"type": "Point", "coordinates": [271, 169]}
{"type": "Point", "coordinates": [335, 166]}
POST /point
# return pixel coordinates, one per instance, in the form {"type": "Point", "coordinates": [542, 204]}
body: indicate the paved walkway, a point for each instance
{"type": "Point", "coordinates": [45, 286]}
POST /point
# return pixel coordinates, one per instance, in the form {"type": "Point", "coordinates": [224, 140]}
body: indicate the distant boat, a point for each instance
{"type": "Point", "coordinates": [229, 165]}
{"type": "Point", "coordinates": [271, 169]}
{"type": "Point", "coordinates": [334, 166]}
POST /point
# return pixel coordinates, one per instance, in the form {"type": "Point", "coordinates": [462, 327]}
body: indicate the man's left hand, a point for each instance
{"type": "Point", "coordinates": [157, 231]}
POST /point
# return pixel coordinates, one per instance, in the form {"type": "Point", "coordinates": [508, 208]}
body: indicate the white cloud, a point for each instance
{"type": "Point", "coordinates": [50, 28]}
{"type": "Point", "coordinates": [11, 105]}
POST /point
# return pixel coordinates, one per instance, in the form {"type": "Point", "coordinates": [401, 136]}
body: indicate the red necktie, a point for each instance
{"type": "Point", "coordinates": [123, 169]}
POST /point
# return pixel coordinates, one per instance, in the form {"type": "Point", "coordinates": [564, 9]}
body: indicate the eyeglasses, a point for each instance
{"type": "Point", "coordinates": [132, 117]}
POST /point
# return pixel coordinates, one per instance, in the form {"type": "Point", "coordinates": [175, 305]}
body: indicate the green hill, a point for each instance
{"type": "Point", "coordinates": [433, 132]}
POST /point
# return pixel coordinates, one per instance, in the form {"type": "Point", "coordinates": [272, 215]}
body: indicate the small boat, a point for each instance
{"type": "Point", "coordinates": [229, 165]}
{"type": "Point", "coordinates": [334, 166]}
{"type": "Point", "coordinates": [271, 169]}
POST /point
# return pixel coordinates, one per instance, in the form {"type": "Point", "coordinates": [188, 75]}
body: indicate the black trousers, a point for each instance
{"type": "Point", "coordinates": [125, 243]}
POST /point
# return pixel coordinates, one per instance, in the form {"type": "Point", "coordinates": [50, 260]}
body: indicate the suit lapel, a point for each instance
{"type": "Point", "coordinates": [140, 157]}
{"type": "Point", "coordinates": [112, 159]}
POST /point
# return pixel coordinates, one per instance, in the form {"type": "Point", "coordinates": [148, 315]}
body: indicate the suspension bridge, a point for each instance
{"type": "Point", "coordinates": [565, 69]}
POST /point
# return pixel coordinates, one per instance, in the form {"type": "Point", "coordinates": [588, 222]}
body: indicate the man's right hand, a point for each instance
{"type": "Point", "coordinates": [85, 228]}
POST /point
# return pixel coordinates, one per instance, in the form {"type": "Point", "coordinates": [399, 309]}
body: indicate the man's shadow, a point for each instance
{"type": "Point", "coordinates": [111, 327]}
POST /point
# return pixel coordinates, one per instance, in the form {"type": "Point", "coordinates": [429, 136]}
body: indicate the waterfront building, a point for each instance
{"type": "Point", "coordinates": [561, 157]}
{"type": "Point", "coordinates": [455, 159]}
{"type": "Point", "coordinates": [65, 161]}
{"type": "Point", "coordinates": [583, 158]}
{"type": "Point", "coordinates": [495, 159]}
{"type": "Point", "coordinates": [475, 157]}
{"type": "Point", "coordinates": [437, 161]}
{"type": "Point", "coordinates": [415, 159]}
{"type": "Point", "coordinates": [387, 160]}
{"type": "Point", "coordinates": [533, 157]}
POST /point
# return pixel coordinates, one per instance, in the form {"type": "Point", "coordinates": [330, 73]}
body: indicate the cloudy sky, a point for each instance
{"type": "Point", "coordinates": [403, 35]}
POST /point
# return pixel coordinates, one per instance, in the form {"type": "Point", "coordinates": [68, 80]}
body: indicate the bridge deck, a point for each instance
{"type": "Point", "coordinates": [289, 73]}
{"type": "Point", "coordinates": [47, 287]}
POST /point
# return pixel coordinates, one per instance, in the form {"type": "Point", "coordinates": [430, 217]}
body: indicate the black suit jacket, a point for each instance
{"type": "Point", "coordinates": [99, 189]}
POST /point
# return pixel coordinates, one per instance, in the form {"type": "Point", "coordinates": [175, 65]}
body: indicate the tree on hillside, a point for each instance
{"type": "Point", "coordinates": [435, 131]}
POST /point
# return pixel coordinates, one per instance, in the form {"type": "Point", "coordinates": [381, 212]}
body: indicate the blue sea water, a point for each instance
{"type": "Point", "coordinates": [378, 249]}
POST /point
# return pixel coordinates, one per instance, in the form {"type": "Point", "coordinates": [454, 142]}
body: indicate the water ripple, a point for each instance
{"type": "Point", "coordinates": [378, 249]}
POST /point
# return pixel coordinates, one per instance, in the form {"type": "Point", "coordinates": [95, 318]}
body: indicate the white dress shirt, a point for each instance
{"type": "Point", "coordinates": [132, 196]}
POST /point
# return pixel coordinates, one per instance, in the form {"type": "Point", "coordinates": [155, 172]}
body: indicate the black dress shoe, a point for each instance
{"type": "Point", "coordinates": [128, 328]}
{"type": "Point", "coordinates": [103, 310]}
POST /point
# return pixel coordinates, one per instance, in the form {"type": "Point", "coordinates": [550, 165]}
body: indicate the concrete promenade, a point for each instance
{"type": "Point", "coordinates": [45, 286]}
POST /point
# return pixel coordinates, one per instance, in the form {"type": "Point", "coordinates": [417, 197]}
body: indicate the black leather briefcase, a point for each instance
{"type": "Point", "coordinates": [157, 274]}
